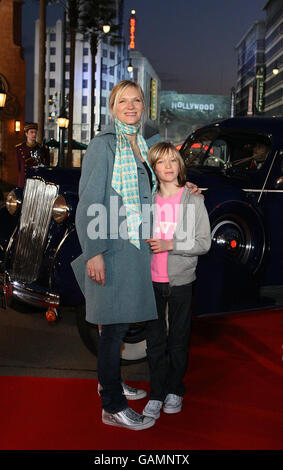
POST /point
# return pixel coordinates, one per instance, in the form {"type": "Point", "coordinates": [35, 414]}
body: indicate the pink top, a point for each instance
{"type": "Point", "coordinates": [167, 210]}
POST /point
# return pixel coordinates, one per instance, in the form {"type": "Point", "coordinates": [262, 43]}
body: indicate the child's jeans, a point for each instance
{"type": "Point", "coordinates": [168, 354]}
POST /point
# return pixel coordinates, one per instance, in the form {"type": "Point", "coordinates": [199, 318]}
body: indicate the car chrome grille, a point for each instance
{"type": "Point", "coordinates": [39, 197]}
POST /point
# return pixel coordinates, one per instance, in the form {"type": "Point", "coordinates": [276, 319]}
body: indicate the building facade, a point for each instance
{"type": "Point", "coordinates": [111, 66]}
{"type": "Point", "coordinates": [251, 71]}
{"type": "Point", "coordinates": [144, 74]}
{"type": "Point", "coordinates": [274, 58]}
{"type": "Point", "coordinates": [13, 79]}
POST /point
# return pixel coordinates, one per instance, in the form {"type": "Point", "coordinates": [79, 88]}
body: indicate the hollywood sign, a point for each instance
{"type": "Point", "coordinates": [192, 106]}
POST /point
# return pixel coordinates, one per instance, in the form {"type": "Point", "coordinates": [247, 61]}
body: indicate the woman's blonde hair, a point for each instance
{"type": "Point", "coordinates": [118, 89]}
{"type": "Point", "coordinates": [162, 149]}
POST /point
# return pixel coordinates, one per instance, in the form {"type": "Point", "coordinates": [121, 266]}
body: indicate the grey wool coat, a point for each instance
{"type": "Point", "coordinates": [127, 296]}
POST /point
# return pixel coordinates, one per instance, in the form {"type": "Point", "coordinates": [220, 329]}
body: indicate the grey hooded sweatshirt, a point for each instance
{"type": "Point", "coordinates": [192, 238]}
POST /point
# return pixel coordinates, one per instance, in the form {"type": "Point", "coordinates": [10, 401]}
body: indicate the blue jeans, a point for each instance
{"type": "Point", "coordinates": [168, 353]}
{"type": "Point", "coordinates": [108, 367]}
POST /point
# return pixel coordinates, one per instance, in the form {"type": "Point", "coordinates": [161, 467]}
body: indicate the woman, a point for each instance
{"type": "Point", "coordinates": [114, 269]}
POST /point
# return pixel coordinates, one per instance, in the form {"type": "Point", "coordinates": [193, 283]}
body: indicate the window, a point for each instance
{"type": "Point", "coordinates": [68, 51]}
{"type": "Point", "coordinates": [84, 135]}
{"type": "Point", "coordinates": [111, 70]}
{"type": "Point", "coordinates": [111, 86]}
{"type": "Point", "coordinates": [104, 53]}
{"type": "Point", "coordinates": [52, 50]}
{"type": "Point", "coordinates": [84, 100]}
{"type": "Point", "coordinates": [238, 151]}
{"type": "Point", "coordinates": [102, 119]}
{"type": "Point", "coordinates": [67, 67]}
{"type": "Point", "coordinates": [84, 83]}
{"type": "Point", "coordinates": [103, 84]}
{"type": "Point", "coordinates": [84, 118]}
{"type": "Point", "coordinates": [85, 67]}
{"type": "Point", "coordinates": [103, 101]}
{"type": "Point", "coordinates": [67, 83]}
{"type": "Point", "coordinates": [112, 55]}
{"type": "Point", "coordinates": [52, 83]}
{"type": "Point", "coordinates": [52, 36]}
{"type": "Point", "coordinates": [52, 66]}
{"type": "Point", "coordinates": [85, 51]}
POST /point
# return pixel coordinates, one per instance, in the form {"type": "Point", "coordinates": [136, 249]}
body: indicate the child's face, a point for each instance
{"type": "Point", "coordinates": [167, 168]}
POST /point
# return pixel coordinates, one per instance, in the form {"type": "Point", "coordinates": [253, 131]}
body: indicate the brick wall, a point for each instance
{"type": "Point", "coordinates": [12, 67]}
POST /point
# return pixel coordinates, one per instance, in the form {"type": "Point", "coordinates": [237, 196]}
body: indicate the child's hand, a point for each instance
{"type": "Point", "coordinates": [157, 245]}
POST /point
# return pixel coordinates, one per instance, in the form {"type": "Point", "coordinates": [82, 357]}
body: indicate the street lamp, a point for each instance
{"type": "Point", "coordinates": [63, 123]}
{"type": "Point", "coordinates": [106, 28]}
{"type": "Point", "coordinates": [275, 71]}
{"type": "Point", "coordinates": [130, 67]}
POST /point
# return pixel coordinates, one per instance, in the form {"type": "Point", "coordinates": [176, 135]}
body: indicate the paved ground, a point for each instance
{"type": "Point", "coordinates": [30, 346]}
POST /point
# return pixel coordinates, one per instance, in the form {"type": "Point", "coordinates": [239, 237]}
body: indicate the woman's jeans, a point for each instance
{"type": "Point", "coordinates": [108, 367]}
{"type": "Point", "coordinates": [168, 353]}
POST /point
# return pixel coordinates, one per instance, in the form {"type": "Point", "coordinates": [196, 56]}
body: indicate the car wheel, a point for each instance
{"type": "Point", "coordinates": [133, 349]}
{"type": "Point", "coordinates": [230, 273]}
{"type": "Point", "coordinates": [237, 232]}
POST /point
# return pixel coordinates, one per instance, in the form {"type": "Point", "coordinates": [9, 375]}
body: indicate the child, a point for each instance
{"type": "Point", "coordinates": [181, 233]}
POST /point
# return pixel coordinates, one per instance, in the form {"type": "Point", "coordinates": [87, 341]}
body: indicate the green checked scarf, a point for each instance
{"type": "Point", "coordinates": [125, 176]}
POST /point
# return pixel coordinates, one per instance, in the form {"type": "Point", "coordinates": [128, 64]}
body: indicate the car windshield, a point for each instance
{"type": "Point", "coordinates": [235, 149]}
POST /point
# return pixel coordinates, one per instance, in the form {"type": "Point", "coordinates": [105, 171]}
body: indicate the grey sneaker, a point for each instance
{"type": "Point", "coordinates": [153, 408]}
{"type": "Point", "coordinates": [127, 418]}
{"type": "Point", "coordinates": [173, 403]}
{"type": "Point", "coordinates": [130, 393]}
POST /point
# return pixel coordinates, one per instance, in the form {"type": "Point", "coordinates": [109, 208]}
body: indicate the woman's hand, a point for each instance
{"type": "Point", "coordinates": [157, 245]}
{"type": "Point", "coordinates": [96, 269]}
{"type": "Point", "coordinates": [195, 189]}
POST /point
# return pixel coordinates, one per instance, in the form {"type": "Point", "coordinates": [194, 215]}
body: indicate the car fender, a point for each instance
{"type": "Point", "coordinates": [231, 271]}
{"type": "Point", "coordinates": [8, 224]}
{"type": "Point", "coordinates": [62, 278]}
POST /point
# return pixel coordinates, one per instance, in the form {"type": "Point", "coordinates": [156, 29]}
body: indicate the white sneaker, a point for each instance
{"type": "Point", "coordinates": [173, 403]}
{"type": "Point", "coordinates": [130, 393]}
{"type": "Point", "coordinates": [153, 408]}
{"type": "Point", "coordinates": [127, 418]}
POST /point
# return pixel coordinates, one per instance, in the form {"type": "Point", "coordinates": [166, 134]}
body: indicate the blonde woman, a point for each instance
{"type": "Point", "coordinates": [114, 268]}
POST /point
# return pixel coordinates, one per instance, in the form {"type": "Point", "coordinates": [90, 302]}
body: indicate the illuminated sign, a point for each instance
{"type": "Point", "coordinates": [153, 99]}
{"type": "Point", "coordinates": [132, 33]}
{"type": "Point", "coordinates": [192, 106]}
{"type": "Point", "coordinates": [259, 89]}
{"type": "Point", "coordinates": [250, 101]}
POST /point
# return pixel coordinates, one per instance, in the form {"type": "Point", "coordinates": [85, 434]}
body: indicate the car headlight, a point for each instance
{"type": "Point", "coordinates": [60, 210]}
{"type": "Point", "coordinates": [13, 203]}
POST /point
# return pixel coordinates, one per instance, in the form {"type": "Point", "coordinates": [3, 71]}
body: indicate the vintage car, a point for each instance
{"type": "Point", "coordinates": [238, 163]}
{"type": "Point", "coordinates": [243, 270]}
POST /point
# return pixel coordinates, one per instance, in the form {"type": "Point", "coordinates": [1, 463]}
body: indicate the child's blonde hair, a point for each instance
{"type": "Point", "coordinates": [161, 149]}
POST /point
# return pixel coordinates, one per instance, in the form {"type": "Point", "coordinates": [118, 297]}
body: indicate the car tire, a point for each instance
{"type": "Point", "coordinates": [230, 273]}
{"type": "Point", "coordinates": [237, 230]}
{"type": "Point", "coordinates": [133, 349]}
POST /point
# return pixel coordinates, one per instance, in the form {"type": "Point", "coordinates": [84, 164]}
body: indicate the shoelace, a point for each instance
{"type": "Point", "coordinates": [132, 414]}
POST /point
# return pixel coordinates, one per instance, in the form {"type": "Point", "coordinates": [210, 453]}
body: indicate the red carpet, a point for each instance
{"type": "Point", "coordinates": [233, 400]}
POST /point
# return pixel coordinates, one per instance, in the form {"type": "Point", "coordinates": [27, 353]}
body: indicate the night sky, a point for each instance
{"type": "Point", "coordinates": [190, 43]}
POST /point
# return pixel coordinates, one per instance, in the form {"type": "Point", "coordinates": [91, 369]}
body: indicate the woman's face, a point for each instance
{"type": "Point", "coordinates": [129, 107]}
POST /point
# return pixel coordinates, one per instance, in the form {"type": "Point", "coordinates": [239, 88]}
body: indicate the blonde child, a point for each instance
{"type": "Point", "coordinates": [181, 234]}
